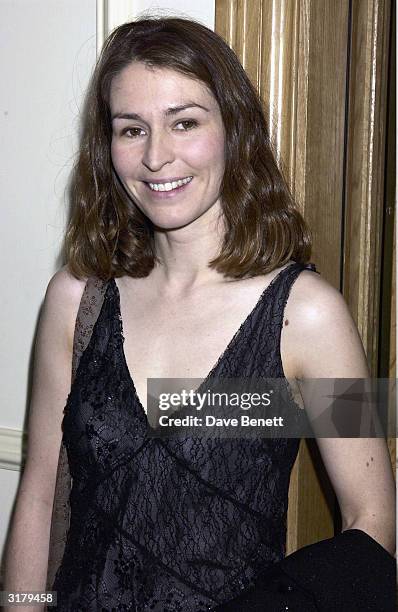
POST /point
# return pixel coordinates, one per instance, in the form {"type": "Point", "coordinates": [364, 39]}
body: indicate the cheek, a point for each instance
{"type": "Point", "coordinates": [122, 160]}
{"type": "Point", "coordinates": [207, 154]}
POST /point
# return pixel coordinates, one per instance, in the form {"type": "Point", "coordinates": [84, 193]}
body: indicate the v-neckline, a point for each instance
{"type": "Point", "coordinates": [227, 349]}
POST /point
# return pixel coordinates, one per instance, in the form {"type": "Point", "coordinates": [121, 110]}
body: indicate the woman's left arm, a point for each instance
{"type": "Point", "coordinates": [326, 344]}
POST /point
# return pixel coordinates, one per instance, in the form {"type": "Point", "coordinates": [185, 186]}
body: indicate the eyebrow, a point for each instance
{"type": "Point", "coordinates": [173, 110]}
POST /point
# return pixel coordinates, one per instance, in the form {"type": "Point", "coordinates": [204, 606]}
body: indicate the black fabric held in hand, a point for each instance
{"type": "Point", "coordinates": [348, 573]}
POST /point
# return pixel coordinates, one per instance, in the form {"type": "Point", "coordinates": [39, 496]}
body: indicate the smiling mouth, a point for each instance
{"type": "Point", "coordinates": [171, 186]}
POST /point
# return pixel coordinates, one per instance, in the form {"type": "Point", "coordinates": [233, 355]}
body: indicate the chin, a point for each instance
{"type": "Point", "coordinates": [169, 224]}
{"type": "Point", "coordinates": [172, 220]}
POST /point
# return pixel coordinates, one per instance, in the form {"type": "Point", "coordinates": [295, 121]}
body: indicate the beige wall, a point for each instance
{"type": "Point", "coordinates": [48, 50]}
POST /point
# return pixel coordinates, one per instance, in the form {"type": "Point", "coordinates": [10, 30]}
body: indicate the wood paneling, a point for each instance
{"type": "Point", "coordinates": [309, 489]}
{"type": "Point", "coordinates": [365, 173]}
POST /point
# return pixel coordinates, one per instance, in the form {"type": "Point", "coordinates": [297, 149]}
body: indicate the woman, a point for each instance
{"type": "Point", "coordinates": [184, 219]}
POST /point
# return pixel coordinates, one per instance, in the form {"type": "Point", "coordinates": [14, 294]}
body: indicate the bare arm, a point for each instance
{"type": "Point", "coordinates": [327, 345]}
{"type": "Point", "coordinates": [28, 545]}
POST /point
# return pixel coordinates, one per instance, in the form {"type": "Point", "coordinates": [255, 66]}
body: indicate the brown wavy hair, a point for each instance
{"type": "Point", "coordinates": [109, 236]}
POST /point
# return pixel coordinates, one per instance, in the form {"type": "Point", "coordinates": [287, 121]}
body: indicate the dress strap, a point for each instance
{"type": "Point", "coordinates": [89, 309]}
{"type": "Point", "coordinates": [286, 283]}
{"type": "Point", "coordinates": [272, 318]}
{"type": "Point", "coordinates": [311, 266]}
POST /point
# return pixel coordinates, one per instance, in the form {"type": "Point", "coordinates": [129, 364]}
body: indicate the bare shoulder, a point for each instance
{"type": "Point", "coordinates": [64, 286]}
{"type": "Point", "coordinates": [314, 300]}
{"type": "Point", "coordinates": [62, 299]}
{"type": "Point", "coordinates": [321, 336]}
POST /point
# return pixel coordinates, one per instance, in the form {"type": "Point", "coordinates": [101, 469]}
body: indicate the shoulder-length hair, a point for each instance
{"type": "Point", "coordinates": [109, 236]}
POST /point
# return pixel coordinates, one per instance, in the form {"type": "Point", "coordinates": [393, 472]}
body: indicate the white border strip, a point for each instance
{"type": "Point", "coordinates": [10, 448]}
{"type": "Point", "coordinates": [101, 24]}
{"type": "Point", "coordinates": [111, 14]}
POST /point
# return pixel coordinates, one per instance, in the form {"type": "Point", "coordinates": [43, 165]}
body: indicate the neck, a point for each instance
{"type": "Point", "coordinates": [185, 252]}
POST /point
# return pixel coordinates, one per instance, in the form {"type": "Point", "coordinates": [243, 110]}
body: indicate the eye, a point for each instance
{"type": "Point", "coordinates": [188, 124]}
{"type": "Point", "coordinates": [132, 132]}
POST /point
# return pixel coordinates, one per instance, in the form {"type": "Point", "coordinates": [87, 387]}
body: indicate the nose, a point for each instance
{"type": "Point", "coordinates": [158, 151]}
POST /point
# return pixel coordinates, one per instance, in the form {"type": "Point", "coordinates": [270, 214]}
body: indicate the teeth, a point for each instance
{"type": "Point", "coordinates": [170, 186]}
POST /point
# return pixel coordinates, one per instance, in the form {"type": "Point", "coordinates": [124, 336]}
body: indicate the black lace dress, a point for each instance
{"type": "Point", "coordinates": [178, 525]}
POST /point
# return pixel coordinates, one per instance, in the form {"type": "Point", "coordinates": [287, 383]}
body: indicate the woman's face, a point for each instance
{"type": "Point", "coordinates": [167, 143]}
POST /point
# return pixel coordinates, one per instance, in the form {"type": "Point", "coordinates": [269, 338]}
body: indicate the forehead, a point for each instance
{"type": "Point", "coordinates": [141, 85]}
